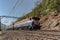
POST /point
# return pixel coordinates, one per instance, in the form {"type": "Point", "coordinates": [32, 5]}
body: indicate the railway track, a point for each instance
{"type": "Point", "coordinates": [32, 35]}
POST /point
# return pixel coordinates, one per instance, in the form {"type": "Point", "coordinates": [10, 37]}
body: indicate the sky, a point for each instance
{"type": "Point", "coordinates": [15, 8]}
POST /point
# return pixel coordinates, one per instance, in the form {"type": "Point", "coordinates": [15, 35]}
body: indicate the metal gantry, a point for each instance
{"type": "Point", "coordinates": [6, 17]}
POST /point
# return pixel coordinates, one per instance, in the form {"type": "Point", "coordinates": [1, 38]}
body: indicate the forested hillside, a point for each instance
{"type": "Point", "coordinates": [43, 8]}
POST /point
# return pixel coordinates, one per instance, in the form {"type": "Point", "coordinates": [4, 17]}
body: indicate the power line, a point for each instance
{"type": "Point", "coordinates": [14, 6]}
{"type": "Point", "coordinates": [18, 5]}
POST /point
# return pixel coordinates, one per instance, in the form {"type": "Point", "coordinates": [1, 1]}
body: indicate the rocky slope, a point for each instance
{"type": "Point", "coordinates": [51, 21]}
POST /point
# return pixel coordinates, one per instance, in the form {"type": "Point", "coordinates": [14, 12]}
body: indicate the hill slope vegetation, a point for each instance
{"type": "Point", "coordinates": [43, 8]}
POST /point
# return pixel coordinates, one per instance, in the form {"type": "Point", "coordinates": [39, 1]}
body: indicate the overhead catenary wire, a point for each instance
{"type": "Point", "coordinates": [19, 2]}
{"type": "Point", "coordinates": [18, 5]}
{"type": "Point", "coordinates": [14, 7]}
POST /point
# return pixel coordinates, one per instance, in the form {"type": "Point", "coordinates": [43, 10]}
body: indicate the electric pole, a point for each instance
{"type": "Point", "coordinates": [13, 25]}
{"type": "Point", "coordinates": [0, 23]}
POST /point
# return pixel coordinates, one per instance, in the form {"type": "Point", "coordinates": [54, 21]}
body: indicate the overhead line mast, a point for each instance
{"type": "Point", "coordinates": [6, 17]}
